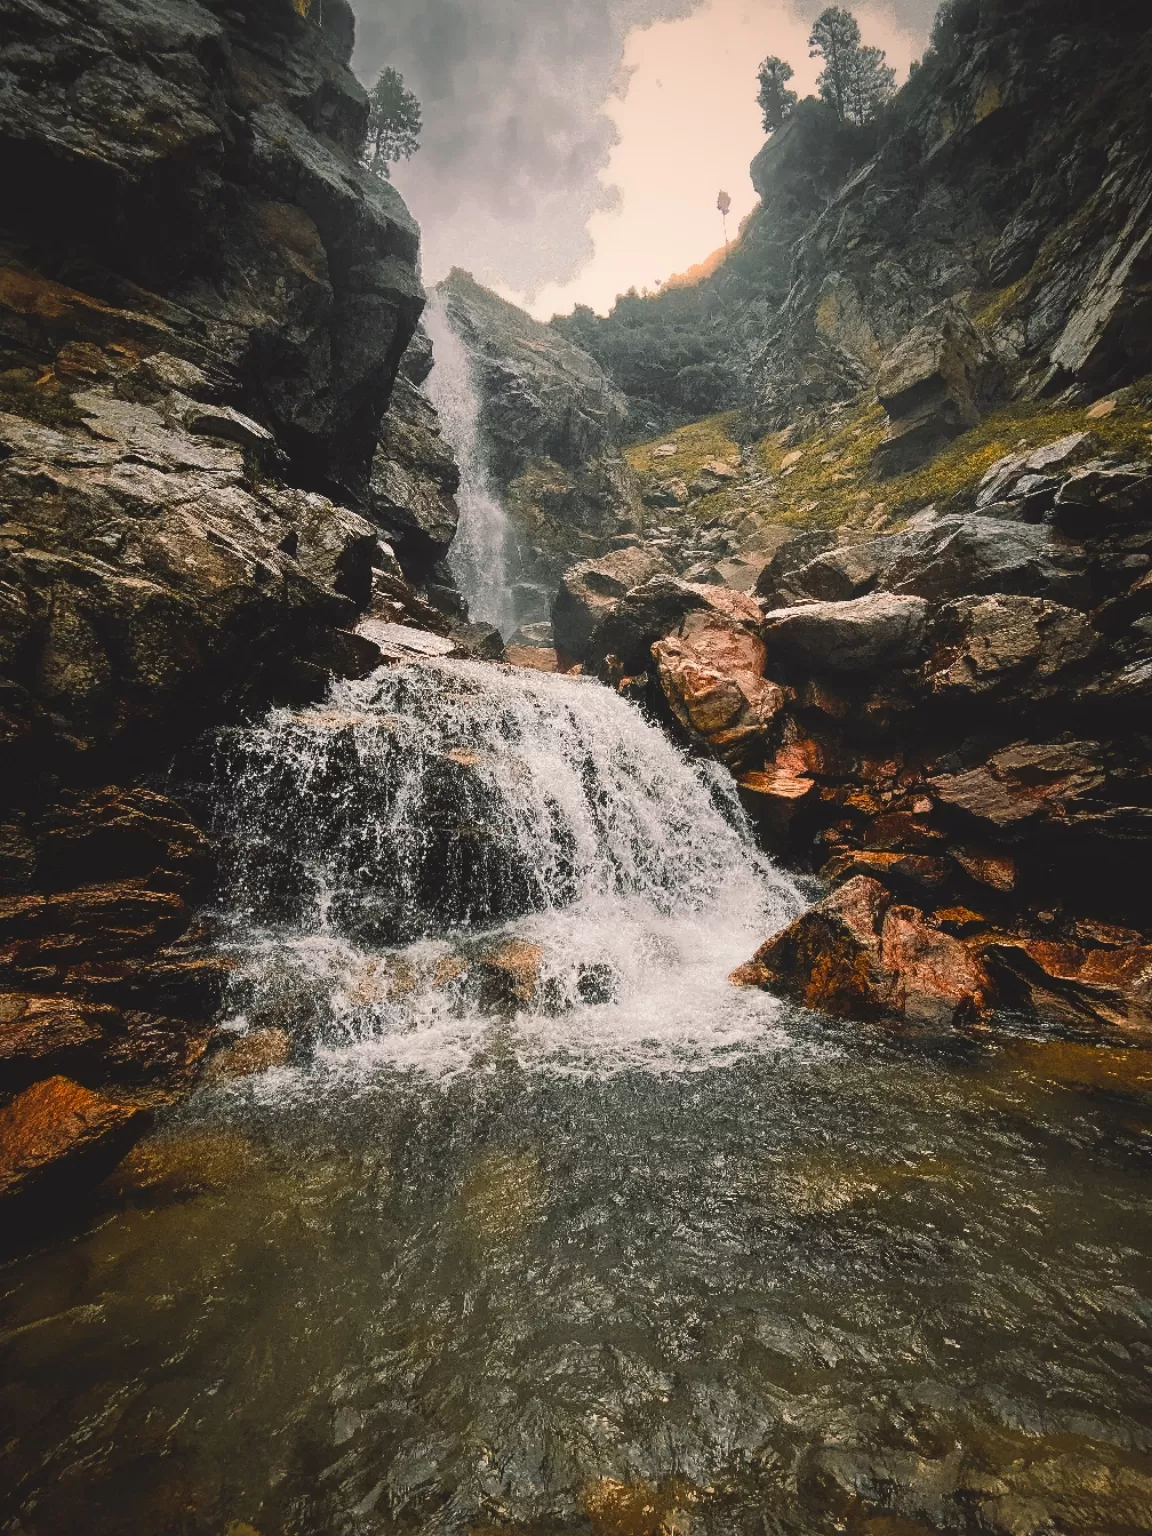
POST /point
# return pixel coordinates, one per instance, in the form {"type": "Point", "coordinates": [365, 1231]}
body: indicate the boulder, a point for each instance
{"type": "Point", "coordinates": [856, 955]}
{"type": "Point", "coordinates": [1024, 783]}
{"type": "Point", "coordinates": [483, 641]}
{"type": "Point", "coordinates": [1100, 495]}
{"type": "Point", "coordinates": [934, 385]}
{"type": "Point", "coordinates": [592, 589]}
{"type": "Point", "coordinates": [622, 641]}
{"type": "Point", "coordinates": [1109, 987]}
{"type": "Point", "coordinates": [792, 555]}
{"type": "Point", "coordinates": [40, 1036]}
{"type": "Point", "coordinates": [856, 636]}
{"type": "Point", "coordinates": [712, 674]}
{"type": "Point", "coordinates": [1007, 645]}
{"type": "Point", "coordinates": [56, 1130]}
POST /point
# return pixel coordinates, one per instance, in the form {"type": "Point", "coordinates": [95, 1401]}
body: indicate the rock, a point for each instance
{"type": "Point", "coordinates": [774, 798]}
{"type": "Point", "coordinates": [259, 1051]}
{"type": "Point", "coordinates": [704, 574]}
{"type": "Point", "coordinates": [413, 483]}
{"type": "Point", "coordinates": [666, 493]}
{"type": "Point", "coordinates": [712, 674]}
{"type": "Point", "coordinates": [592, 589]}
{"type": "Point", "coordinates": [1100, 495]}
{"type": "Point", "coordinates": [917, 872]}
{"type": "Point", "coordinates": [233, 426]}
{"type": "Point", "coordinates": [629, 629]}
{"type": "Point", "coordinates": [402, 642]}
{"type": "Point", "coordinates": [58, 1130]}
{"type": "Point", "coordinates": [829, 958]}
{"type": "Point", "coordinates": [792, 555]}
{"type": "Point", "coordinates": [40, 1036]}
{"type": "Point", "coordinates": [483, 641]}
{"type": "Point", "coordinates": [1024, 783]}
{"type": "Point", "coordinates": [856, 636]}
{"type": "Point", "coordinates": [1021, 646]}
{"type": "Point", "coordinates": [537, 658]}
{"type": "Point", "coordinates": [533, 635]}
{"type": "Point", "coordinates": [930, 977]}
{"type": "Point", "coordinates": [856, 955]}
{"type": "Point", "coordinates": [1066, 982]}
{"type": "Point", "coordinates": [506, 976]}
{"type": "Point", "coordinates": [933, 385]}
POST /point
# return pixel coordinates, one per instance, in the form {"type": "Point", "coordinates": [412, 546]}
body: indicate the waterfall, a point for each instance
{"type": "Point", "coordinates": [479, 555]}
{"type": "Point", "coordinates": [445, 845]}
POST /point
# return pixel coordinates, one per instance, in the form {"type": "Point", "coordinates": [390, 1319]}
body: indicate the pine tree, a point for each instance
{"type": "Point", "coordinates": [855, 80]}
{"type": "Point", "coordinates": [776, 101]}
{"type": "Point", "coordinates": [393, 123]}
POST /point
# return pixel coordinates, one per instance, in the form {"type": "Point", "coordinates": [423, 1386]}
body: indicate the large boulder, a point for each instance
{"type": "Point", "coordinates": [712, 674]}
{"type": "Point", "coordinates": [623, 638]}
{"type": "Point", "coordinates": [881, 630]}
{"type": "Point", "coordinates": [933, 385]}
{"type": "Point", "coordinates": [857, 955]}
{"type": "Point", "coordinates": [592, 589]}
{"type": "Point", "coordinates": [1007, 646]}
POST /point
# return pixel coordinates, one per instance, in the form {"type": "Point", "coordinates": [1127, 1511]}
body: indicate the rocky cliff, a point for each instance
{"type": "Point", "coordinates": [204, 302]}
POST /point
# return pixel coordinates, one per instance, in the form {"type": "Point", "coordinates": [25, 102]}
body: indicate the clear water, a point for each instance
{"type": "Point", "coordinates": [480, 551]}
{"type": "Point", "coordinates": [628, 1251]}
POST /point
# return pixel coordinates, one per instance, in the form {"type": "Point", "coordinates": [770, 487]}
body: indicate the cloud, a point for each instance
{"type": "Point", "coordinates": [573, 148]}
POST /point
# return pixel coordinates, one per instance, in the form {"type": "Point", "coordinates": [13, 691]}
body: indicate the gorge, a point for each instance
{"type": "Point", "coordinates": [576, 947]}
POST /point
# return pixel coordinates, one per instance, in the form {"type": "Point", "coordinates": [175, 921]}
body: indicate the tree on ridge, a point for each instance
{"type": "Point", "coordinates": [855, 80]}
{"type": "Point", "coordinates": [776, 101]}
{"type": "Point", "coordinates": [393, 123]}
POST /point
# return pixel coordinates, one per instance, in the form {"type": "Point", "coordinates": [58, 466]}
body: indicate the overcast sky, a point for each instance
{"type": "Point", "coordinates": [574, 148]}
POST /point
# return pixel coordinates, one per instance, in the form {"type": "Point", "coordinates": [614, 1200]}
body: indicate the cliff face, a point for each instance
{"type": "Point", "coordinates": [552, 425]}
{"type": "Point", "coordinates": [204, 301]}
{"type": "Point", "coordinates": [1014, 176]}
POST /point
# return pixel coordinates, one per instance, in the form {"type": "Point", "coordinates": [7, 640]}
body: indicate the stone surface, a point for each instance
{"type": "Point", "coordinates": [711, 671]}
{"type": "Point", "coordinates": [622, 640]}
{"type": "Point", "coordinates": [593, 588]}
{"type": "Point", "coordinates": [878, 630]}
{"type": "Point", "coordinates": [58, 1130]}
{"type": "Point", "coordinates": [934, 385]}
{"type": "Point", "coordinates": [986, 645]}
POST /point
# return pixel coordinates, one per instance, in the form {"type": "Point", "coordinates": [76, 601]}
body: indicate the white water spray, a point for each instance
{"type": "Point", "coordinates": [479, 554]}
{"type": "Point", "coordinates": [437, 829]}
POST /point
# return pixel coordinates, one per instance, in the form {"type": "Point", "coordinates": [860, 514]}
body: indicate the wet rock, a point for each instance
{"type": "Point", "coordinates": [922, 873]}
{"type": "Point", "coordinates": [259, 1051]}
{"type": "Point", "coordinates": [1096, 987]}
{"type": "Point", "coordinates": [627, 633]}
{"type": "Point", "coordinates": [829, 958]}
{"type": "Point", "coordinates": [483, 641]}
{"type": "Point", "coordinates": [712, 674]}
{"type": "Point", "coordinates": [591, 590]}
{"type": "Point", "coordinates": [413, 483]}
{"type": "Point", "coordinates": [41, 1036]}
{"type": "Point", "coordinates": [933, 385]}
{"type": "Point", "coordinates": [58, 1130]}
{"type": "Point", "coordinates": [879, 630]}
{"type": "Point", "coordinates": [506, 976]}
{"type": "Point", "coordinates": [857, 955]}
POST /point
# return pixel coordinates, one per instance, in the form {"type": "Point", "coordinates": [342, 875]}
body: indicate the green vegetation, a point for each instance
{"type": "Point", "coordinates": [822, 477]}
{"type": "Point", "coordinates": [393, 123]}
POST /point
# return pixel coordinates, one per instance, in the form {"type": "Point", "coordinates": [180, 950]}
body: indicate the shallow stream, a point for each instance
{"type": "Point", "coordinates": [543, 1227]}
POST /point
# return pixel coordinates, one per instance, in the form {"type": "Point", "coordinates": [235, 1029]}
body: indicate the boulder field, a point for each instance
{"type": "Point", "coordinates": [948, 725]}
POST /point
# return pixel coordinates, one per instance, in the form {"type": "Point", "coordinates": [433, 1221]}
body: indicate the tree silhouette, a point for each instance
{"type": "Point", "coordinates": [855, 80]}
{"type": "Point", "coordinates": [776, 101]}
{"type": "Point", "coordinates": [393, 123]}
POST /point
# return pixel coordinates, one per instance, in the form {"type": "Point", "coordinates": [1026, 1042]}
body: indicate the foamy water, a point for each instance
{"type": "Point", "coordinates": [386, 845]}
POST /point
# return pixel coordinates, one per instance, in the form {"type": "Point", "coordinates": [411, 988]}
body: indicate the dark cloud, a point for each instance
{"type": "Point", "coordinates": [514, 137]}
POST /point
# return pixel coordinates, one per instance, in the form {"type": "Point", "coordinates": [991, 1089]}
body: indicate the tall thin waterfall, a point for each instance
{"type": "Point", "coordinates": [444, 844]}
{"type": "Point", "coordinates": [479, 555]}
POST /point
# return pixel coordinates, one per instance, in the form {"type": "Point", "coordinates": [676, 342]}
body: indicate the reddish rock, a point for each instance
{"type": "Point", "coordinates": [992, 869]}
{"type": "Point", "coordinates": [537, 658]}
{"type": "Point", "coordinates": [711, 672]}
{"type": "Point", "coordinates": [508, 974]}
{"type": "Point", "coordinates": [59, 1129]}
{"type": "Point", "coordinates": [40, 1035]}
{"type": "Point", "coordinates": [858, 956]}
{"type": "Point", "coordinates": [929, 976]}
{"type": "Point", "coordinates": [109, 920]}
{"type": "Point", "coordinates": [1024, 782]}
{"type": "Point", "coordinates": [900, 869]}
{"type": "Point", "coordinates": [897, 831]}
{"type": "Point", "coordinates": [1110, 987]}
{"type": "Point", "coordinates": [829, 958]}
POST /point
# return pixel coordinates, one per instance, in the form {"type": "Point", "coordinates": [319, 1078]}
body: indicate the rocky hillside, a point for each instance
{"type": "Point", "coordinates": [204, 302]}
{"type": "Point", "coordinates": [552, 425]}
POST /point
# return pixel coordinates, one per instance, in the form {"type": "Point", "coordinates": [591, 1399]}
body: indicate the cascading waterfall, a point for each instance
{"type": "Point", "coordinates": [479, 555]}
{"type": "Point", "coordinates": [443, 844]}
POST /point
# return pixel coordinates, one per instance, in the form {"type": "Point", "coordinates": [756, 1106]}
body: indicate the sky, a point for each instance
{"type": "Point", "coordinates": [573, 149]}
